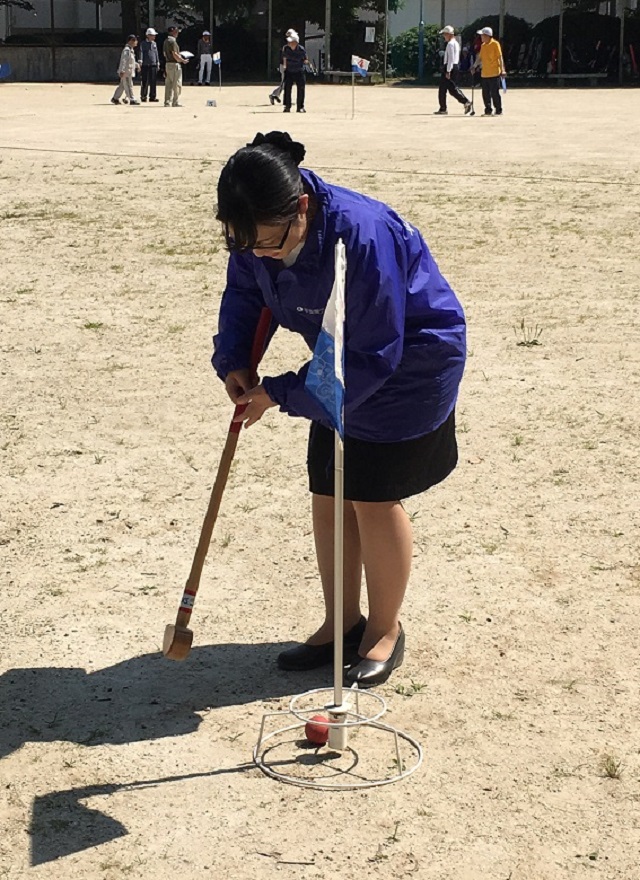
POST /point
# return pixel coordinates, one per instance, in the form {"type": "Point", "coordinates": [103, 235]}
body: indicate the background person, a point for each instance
{"type": "Point", "coordinates": [449, 77]}
{"type": "Point", "coordinates": [294, 58]}
{"type": "Point", "coordinates": [126, 71]}
{"type": "Point", "coordinates": [492, 67]}
{"type": "Point", "coordinates": [404, 355]}
{"type": "Point", "coordinates": [275, 94]}
{"type": "Point", "coordinates": [205, 58]}
{"type": "Point", "coordinates": [149, 65]}
{"type": "Point", "coordinates": [173, 68]}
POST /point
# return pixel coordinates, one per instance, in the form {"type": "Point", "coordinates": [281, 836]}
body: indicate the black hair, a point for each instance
{"type": "Point", "coordinates": [260, 184]}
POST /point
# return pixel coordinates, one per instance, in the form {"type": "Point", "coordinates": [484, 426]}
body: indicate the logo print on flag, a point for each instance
{"type": "Point", "coordinates": [359, 65]}
{"type": "Point", "coordinates": [216, 58]}
{"type": "Point", "coordinates": [325, 379]}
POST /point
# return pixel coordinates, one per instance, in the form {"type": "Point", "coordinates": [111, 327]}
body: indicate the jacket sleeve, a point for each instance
{"type": "Point", "coordinates": [242, 302]}
{"type": "Point", "coordinates": [375, 307]}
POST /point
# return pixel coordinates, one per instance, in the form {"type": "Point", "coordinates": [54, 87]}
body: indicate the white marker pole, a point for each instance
{"type": "Point", "coordinates": [353, 93]}
{"type": "Point", "coordinates": [338, 712]}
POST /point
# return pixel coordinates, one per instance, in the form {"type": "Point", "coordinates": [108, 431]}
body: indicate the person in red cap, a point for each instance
{"type": "Point", "coordinates": [492, 63]}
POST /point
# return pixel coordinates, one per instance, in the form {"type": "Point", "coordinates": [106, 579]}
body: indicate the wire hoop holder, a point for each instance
{"type": "Point", "coordinates": [360, 709]}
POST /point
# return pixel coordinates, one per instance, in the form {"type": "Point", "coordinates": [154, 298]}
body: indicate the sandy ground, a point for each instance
{"type": "Point", "coordinates": [521, 680]}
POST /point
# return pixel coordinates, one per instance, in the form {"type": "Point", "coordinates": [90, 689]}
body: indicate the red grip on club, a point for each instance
{"type": "Point", "coordinates": [257, 350]}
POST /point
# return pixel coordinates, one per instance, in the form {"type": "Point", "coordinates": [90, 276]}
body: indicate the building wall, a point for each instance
{"type": "Point", "coordinates": [70, 15]}
{"type": "Point", "coordinates": [72, 63]}
{"type": "Point", "coordinates": [460, 13]}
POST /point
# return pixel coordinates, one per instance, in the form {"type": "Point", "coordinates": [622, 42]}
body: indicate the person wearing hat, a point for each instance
{"type": "Point", "coordinates": [294, 58]}
{"type": "Point", "coordinates": [449, 77]}
{"type": "Point", "coordinates": [275, 94]}
{"type": "Point", "coordinates": [150, 65]}
{"type": "Point", "coordinates": [492, 63]}
{"type": "Point", "coordinates": [205, 58]}
{"type": "Point", "coordinates": [173, 68]}
{"type": "Point", "coordinates": [126, 71]}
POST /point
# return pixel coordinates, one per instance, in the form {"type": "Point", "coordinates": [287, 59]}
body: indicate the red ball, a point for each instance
{"type": "Point", "coordinates": [316, 730]}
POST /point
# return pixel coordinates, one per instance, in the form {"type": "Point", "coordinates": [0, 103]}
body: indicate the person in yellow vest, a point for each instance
{"type": "Point", "coordinates": [492, 63]}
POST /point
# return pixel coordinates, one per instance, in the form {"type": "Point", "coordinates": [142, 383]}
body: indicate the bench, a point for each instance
{"type": "Point", "coordinates": [592, 77]}
{"type": "Point", "coordinates": [340, 76]}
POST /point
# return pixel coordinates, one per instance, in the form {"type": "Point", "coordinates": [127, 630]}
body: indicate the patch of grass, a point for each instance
{"type": "Point", "coordinates": [610, 766]}
{"type": "Point", "coordinates": [93, 325]}
{"type": "Point", "coordinates": [410, 690]}
{"type": "Point", "coordinates": [527, 334]}
{"type": "Point", "coordinates": [177, 328]}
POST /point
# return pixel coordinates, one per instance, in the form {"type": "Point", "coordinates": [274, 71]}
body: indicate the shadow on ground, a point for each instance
{"type": "Point", "coordinates": [144, 698]}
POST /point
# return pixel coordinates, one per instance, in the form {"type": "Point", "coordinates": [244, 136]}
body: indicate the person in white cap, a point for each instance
{"type": "Point", "coordinates": [150, 65]}
{"type": "Point", "coordinates": [275, 94]}
{"type": "Point", "coordinates": [205, 58]}
{"type": "Point", "coordinates": [449, 77]}
{"type": "Point", "coordinates": [294, 58]}
{"type": "Point", "coordinates": [492, 63]}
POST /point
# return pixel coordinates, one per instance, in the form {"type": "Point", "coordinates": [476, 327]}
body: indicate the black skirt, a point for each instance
{"type": "Point", "coordinates": [383, 471]}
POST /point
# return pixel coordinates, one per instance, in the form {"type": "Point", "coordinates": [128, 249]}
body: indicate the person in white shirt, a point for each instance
{"type": "Point", "coordinates": [449, 78]}
{"type": "Point", "coordinates": [205, 58]}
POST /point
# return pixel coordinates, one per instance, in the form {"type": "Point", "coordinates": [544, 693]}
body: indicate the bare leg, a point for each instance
{"type": "Point", "coordinates": [386, 544]}
{"type": "Point", "coordinates": [322, 509]}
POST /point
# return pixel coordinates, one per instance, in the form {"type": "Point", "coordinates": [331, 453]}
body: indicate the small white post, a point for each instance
{"type": "Point", "coordinates": [353, 94]}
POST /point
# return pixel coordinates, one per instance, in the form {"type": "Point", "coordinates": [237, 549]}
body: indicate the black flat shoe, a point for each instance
{"type": "Point", "coordinates": [369, 673]}
{"type": "Point", "coordinates": [304, 657]}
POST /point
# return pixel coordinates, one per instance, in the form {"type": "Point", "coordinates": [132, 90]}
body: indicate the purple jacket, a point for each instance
{"type": "Point", "coordinates": [405, 329]}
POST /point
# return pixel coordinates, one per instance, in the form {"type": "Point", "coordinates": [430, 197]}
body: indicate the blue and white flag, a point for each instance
{"type": "Point", "coordinates": [216, 58]}
{"type": "Point", "coordinates": [359, 65]}
{"type": "Point", "coordinates": [325, 379]}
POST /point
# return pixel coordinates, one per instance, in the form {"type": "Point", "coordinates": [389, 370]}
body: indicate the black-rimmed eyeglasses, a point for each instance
{"type": "Point", "coordinates": [231, 242]}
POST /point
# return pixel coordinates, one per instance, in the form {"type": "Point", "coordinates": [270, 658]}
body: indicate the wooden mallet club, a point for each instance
{"type": "Point", "coordinates": [177, 636]}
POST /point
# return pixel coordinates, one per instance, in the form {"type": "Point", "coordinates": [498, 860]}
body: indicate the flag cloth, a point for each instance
{"type": "Point", "coordinates": [5, 70]}
{"type": "Point", "coordinates": [325, 379]}
{"type": "Point", "coordinates": [216, 58]}
{"type": "Point", "coordinates": [359, 65]}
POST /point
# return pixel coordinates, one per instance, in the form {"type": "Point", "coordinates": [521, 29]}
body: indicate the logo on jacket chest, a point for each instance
{"type": "Point", "coordinates": [309, 311]}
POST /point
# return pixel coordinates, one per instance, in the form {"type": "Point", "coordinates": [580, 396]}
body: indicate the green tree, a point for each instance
{"type": "Point", "coordinates": [18, 4]}
{"type": "Point", "coordinates": [403, 51]}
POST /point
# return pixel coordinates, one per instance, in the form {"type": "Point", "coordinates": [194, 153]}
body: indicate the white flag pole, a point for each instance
{"type": "Point", "coordinates": [338, 570]}
{"type": "Point", "coordinates": [338, 712]}
{"type": "Point", "coordinates": [353, 93]}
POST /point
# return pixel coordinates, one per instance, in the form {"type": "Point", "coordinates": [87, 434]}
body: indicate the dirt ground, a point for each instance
{"type": "Point", "coordinates": [521, 678]}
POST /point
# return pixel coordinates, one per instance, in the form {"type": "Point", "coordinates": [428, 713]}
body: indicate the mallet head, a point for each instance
{"type": "Point", "coordinates": [177, 642]}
